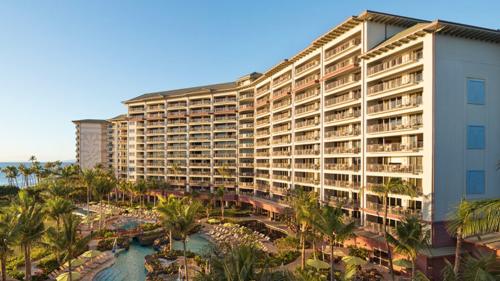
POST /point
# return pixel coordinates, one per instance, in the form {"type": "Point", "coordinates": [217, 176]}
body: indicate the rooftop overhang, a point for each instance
{"type": "Point", "coordinates": [390, 19]}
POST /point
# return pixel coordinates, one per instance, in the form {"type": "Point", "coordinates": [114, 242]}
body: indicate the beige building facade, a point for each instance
{"type": "Point", "coordinates": [377, 97]}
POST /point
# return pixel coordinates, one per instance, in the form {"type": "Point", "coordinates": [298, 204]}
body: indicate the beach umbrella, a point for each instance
{"type": "Point", "coordinates": [87, 221]}
{"type": "Point", "coordinates": [339, 252]}
{"type": "Point", "coordinates": [111, 211]}
{"type": "Point", "coordinates": [76, 262]}
{"type": "Point", "coordinates": [354, 260]}
{"type": "Point", "coordinates": [229, 224]}
{"type": "Point", "coordinates": [318, 264]}
{"type": "Point", "coordinates": [65, 276]}
{"type": "Point", "coordinates": [401, 263]}
{"type": "Point", "coordinates": [91, 254]}
{"type": "Point", "coordinates": [137, 207]}
{"type": "Point", "coordinates": [92, 203]}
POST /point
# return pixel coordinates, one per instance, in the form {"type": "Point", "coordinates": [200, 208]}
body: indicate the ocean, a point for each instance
{"type": "Point", "coordinates": [5, 181]}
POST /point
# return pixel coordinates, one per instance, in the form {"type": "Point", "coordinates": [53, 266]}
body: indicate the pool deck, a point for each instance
{"type": "Point", "coordinates": [90, 275]}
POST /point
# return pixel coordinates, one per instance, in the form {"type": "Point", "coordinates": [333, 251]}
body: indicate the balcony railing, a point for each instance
{"type": "Point", "coordinates": [262, 154]}
{"type": "Point", "coordinates": [308, 79]}
{"type": "Point", "coordinates": [343, 133]}
{"type": "Point", "coordinates": [182, 121]}
{"type": "Point", "coordinates": [282, 78]}
{"type": "Point", "coordinates": [282, 103]}
{"type": "Point", "coordinates": [309, 166]}
{"type": "Point", "coordinates": [307, 94]}
{"type": "Point", "coordinates": [246, 115]}
{"type": "Point", "coordinates": [225, 145]}
{"type": "Point", "coordinates": [225, 127]}
{"type": "Point", "coordinates": [281, 91]}
{"type": "Point", "coordinates": [262, 100]}
{"type": "Point", "coordinates": [332, 52]}
{"type": "Point", "coordinates": [225, 99]}
{"type": "Point", "coordinates": [387, 127]}
{"type": "Point", "coordinates": [306, 137]}
{"type": "Point", "coordinates": [262, 132]}
{"type": "Point", "coordinates": [263, 89]}
{"type": "Point", "coordinates": [223, 137]}
{"type": "Point", "coordinates": [395, 61]}
{"type": "Point", "coordinates": [246, 165]}
{"type": "Point", "coordinates": [200, 128]}
{"type": "Point", "coordinates": [340, 183]}
{"type": "Point", "coordinates": [342, 167]}
{"type": "Point", "coordinates": [395, 147]}
{"type": "Point", "coordinates": [354, 95]}
{"type": "Point", "coordinates": [282, 153]}
{"type": "Point", "coordinates": [307, 109]}
{"type": "Point", "coordinates": [199, 155]}
{"type": "Point", "coordinates": [200, 102]}
{"type": "Point", "coordinates": [341, 81]}
{"type": "Point", "coordinates": [282, 128]}
{"type": "Point", "coordinates": [246, 96]}
{"type": "Point", "coordinates": [306, 66]}
{"type": "Point", "coordinates": [401, 81]}
{"type": "Point", "coordinates": [247, 145]}
{"type": "Point", "coordinates": [392, 105]}
{"type": "Point", "coordinates": [307, 123]}
{"type": "Point", "coordinates": [342, 115]}
{"type": "Point", "coordinates": [262, 165]}
{"type": "Point", "coordinates": [394, 168]}
{"type": "Point", "coordinates": [246, 155]}
{"type": "Point", "coordinates": [281, 178]}
{"type": "Point", "coordinates": [245, 183]}
{"type": "Point", "coordinates": [342, 150]}
{"type": "Point", "coordinates": [177, 138]}
{"type": "Point", "coordinates": [176, 130]}
{"type": "Point", "coordinates": [177, 104]}
{"type": "Point", "coordinates": [342, 64]}
{"type": "Point", "coordinates": [281, 116]}
{"type": "Point", "coordinates": [200, 110]}
{"type": "Point", "coordinates": [262, 111]}
{"type": "Point", "coordinates": [225, 118]}
{"type": "Point", "coordinates": [282, 165]}
{"type": "Point", "coordinates": [307, 180]}
{"type": "Point", "coordinates": [200, 120]}
{"type": "Point", "coordinates": [199, 137]}
{"type": "Point", "coordinates": [341, 201]}
{"type": "Point", "coordinates": [307, 152]}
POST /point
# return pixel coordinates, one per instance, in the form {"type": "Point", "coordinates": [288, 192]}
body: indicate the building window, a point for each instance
{"type": "Point", "coordinates": [475, 181]}
{"type": "Point", "coordinates": [475, 137]}
{"type": "Point", "coordinates": [475, 91]}
{"type": "Point", "coordinates": [131, 169]}
{"type": "Point", "coordinates": [132, 122]}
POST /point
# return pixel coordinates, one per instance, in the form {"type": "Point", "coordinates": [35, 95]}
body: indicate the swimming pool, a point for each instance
{"type": "Point", "coordinates": [129, 265]}
{"type": "Point", "coordinates": [194, 243]}
{"type": "Point", "coordinates": [83, 212]}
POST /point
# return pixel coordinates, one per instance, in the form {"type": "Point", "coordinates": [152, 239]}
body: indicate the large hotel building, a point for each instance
{"type": "Point", "coordinates": [377, 97]}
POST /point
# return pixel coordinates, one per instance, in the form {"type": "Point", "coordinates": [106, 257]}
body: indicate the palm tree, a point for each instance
{"type": "Point", "coordinates": [471, 218]}
{"type": "Point", "coordinates": [176, 170]}
{"type": "Point", "coordinates": [54, 190]}
{"type": "Point", "coordinates": [167, 209]}
{"type": "Point", "coordinates": [332, 225]}
{"type": "Point", "coordinates": [219, 192]}
{"type": "Point", "coordinates": [225, 172]}
{"type": "Point", "coordinates": [393, 186]}
{"type": "Point", "coordinates": [56, 208]}
{"type": "Point", "coordinates": [164, 186]}
{"type": "Point", "coordinates": [67, 176]}
{"type": "Point", "coordinates": [141, 189]}
{"type": "Point", "coordinates": [68, 240]}
{"type": "Point", "coordinates": [241, 264]}
{"type": "Point", "coordinates": [102, 186]}
{"type": "Point", "coordinates": [8, 239]}
{"type": "Point", "coordinates": [154, 185]}
{"type": "Point", "coordinates": [123, 186]}
{"type": "Point", "coordinates": [25, 171]}
{"type": "Point", "coordinates": [30, 225]}
{"type": "Point", "coordinates": [411, 238]}
{"type": "Point", "coordinates": [183, 222]}
{"type": "Point", "coordinates": [209, 206]}
{"type": "Point", "coordinates": [87, 178]}
{"type": "Point", "coordinates": [305, 205]}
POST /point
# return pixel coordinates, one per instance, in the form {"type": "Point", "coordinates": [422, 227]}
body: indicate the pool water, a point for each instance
{"type": "Point", "coordinates": [128, 225]}
{"type": "Point", "coordinates": [194, 243]}
{"type": "Point", "coordinates": [82, 212]}
{"type": "Point", "coordinates": [129, 265]}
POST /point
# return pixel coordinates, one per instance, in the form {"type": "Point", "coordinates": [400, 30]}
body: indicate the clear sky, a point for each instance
{"type": "Point", "coordinates": [68, 60]}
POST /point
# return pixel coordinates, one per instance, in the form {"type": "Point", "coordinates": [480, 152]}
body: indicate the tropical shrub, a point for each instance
{"type": "Point", "coordinates": [359, 252]}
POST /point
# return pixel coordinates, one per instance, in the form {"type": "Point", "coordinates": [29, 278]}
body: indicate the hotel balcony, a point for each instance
{"type": "Point", "coordinates": [281, 91]}
{"type": "Point", "coordinates": [245, 184]}
{"type": "Point", "coordinates": [264, 142]}
{"type": "Point", "coordinates": [312, 78]}
{"type": "Point", "coordinates": [408, 79]}
{"type": "Point", "coordinates": [396, 210]}
{"type": "Point", "coordinates": [341, 198]}
{"type": "Point", "coordinates": [396, 103]}
{"type": "Point", "coordinates": [336, 67]}
{"type": "Point", "coordinates": [411, 122]}
{"type": "Point", "coordinates": [336, 83]}
{"type": "Point", "coordinates": [414, 146]}
{"type": "Point", "coordinates": [306, 151]}
{"type": "Point", "coordinates": [225, 118]}
{"type": "Point", "coordinates": [246, 96]}
{"type": "Point", "coordinates": [279, 140]}
{"type": "Point", "coordinates": [176, 104]}
{"type": "Point", "coordinates": [307, 166]}
{"type": "Point", "coordinates": [180, 163]}
{"type": "Point", "coordinates": [221, 163]}
{"type": "Point", "coordinates": [307, 123]}
{"type": "Point", "coordinates": [181, 172]}
{"type": "Point", "coordinates": [155, 115]}
{"type": "Point", "coordinates": [262, 100]}
{"type": "Point", "coordinates": [282, 152]}
{"type": "Point", "coordinates": [307, 95]}
{"type": "Point", "coordinates": [199, 129]}
{"type": "Point", "coordinates": [262, 111]}
{"type": "Point", "coordinates": [262, 153]}
{"type": "Point", "coordinates": [246, 164]}
{"type": "Point", "coordinates": [262, 175]}
{"type": "Point", "coordinates": [343, 167]}
{"type": "Point", "coordinates": [263, 121]}
{"type": "Point", "coordinates": [282, 128]}
{"type": "Point", "coordinates": [223, 182]}
{"type": "Point", "coordinates": [344, 114]}
{"type": "Point", "coordinates": [307, 179]}
{"type": "Point", "coordinates": [342, 183]}
{"type": "Point", "coordinates": [224, 145]}
{"type": "Point", "coordinates": [170, 147]}
{"type": "Point", "coordinates": [200, 172]}
{"type": "Point", "coordinates": [177, 139]}
{"type": "Point", "coordinates": [156, 132]}
{"type": "Point", "coordinates": [396, 61]}
{"type": "Point", "coordinates": [227, 127]}
{"type": "Point", "coordinates": [199, 155]}
{"type": "Point", "coordinates": [346, 147]}
{"type": "Point", "coordinates": [225, 136]}
{"type": "Point", "coordinates": [263, 89]}
{"type": "Point", "coordinates": [307, 66]}
{"type": "Point", "coordinates": [282, 165]}
{"type": "Point", "coordinates": [204, 137]}
{"type": "Point", "coordinates": [343, 47]}
{"type": "Point", "coordinates": [155, 124]}
{"type": "Point", "coordinates": [262, 132]}
{"type": "Point", "coordinates": [310, 136]}
{"type": "Point", "coordinates": [281, 116]}
{"type": "Point", "coordinates": [136, 109]}
{"type": "Point", "coordinates": [202, 102]}
{"type": "Point", "coordinates": [200, 111]}
{"type": "Point", "coordinates": [225, 155]}
{"type": "Point", "coordinates": [246, 125]}
{"type": "Point", "coordinates": [199, 181]}
{"type": "Point", "coordinates": [155, 163]}
{"type": "Point", "coordinates": [394, 168]}
{"type": "Point", "coordinates": [342, 131]}
{"type": "Point", "coordinates": [246, 106]}
{"type": "Point", "coordinates": [196, 120]}
{"type": "Point", "coordinates": [223, 109]}
{"type": "Point", "coordinates": [282, 79]}
{"type": "Point", "coordinates": [156, 155]}
{"type": "Point", "coordinates": [281, 104]}
{"type": "Point", "coordinates": [176, 121]}
{"type": "Point", "coordinates": [246, 116]}
{"type": "Point", "coordinates": [305, 109]}
{"type": "Point", "coordinates": [224, 99]}
{"type": "Point", "coordinates": [200, 164]}
{"type": "Point", "coordinates": [262, 164]}
{"type": "Point", "coordinates": [199, 146]}
{"type": "Point", "coordinates": [177, 154]}
{"type": "Point", "coordinates": [156, 107]}
{"type": "Point", "coordinates": [171, 113]}
{"type": "Point", "coordinates": [263, 185]}
{"type": "Point", "coordinates": [155, 140]}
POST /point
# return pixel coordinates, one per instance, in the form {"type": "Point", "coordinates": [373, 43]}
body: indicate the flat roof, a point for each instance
{"type": "Point", "coordinates": [90, 121]}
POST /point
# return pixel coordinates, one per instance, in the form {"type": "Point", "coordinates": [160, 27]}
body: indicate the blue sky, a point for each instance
{"type": "Point", "coordinates": [67, 60]}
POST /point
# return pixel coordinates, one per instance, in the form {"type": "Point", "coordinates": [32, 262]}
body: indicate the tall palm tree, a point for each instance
{"type": "Point", "coordinates": [392, 187]}
{"type": "Point", "coordinates": [167, 209]}
{"type": "Point", "coordinates": [154, 185]}
{"type": "Point", "coordinates": [102, 186]}
{"type": "Point", "coordinates": [30, 225]}
{"type": "Point", "coordinates": [87, 178]}
{"type": "Point", "coordinates": [471, 218]}
{"type": "Point", "coordinates": [67, 175]}
{"type": "Point", "coordinates": [56, 208]}
{"type": "Point", "coordinates": [25, 171]}
{"type": "Point", "coordinates": [54, 190]}
{"type": "Point", "coordinates": [69, 240]}
{"type": "Point", "coordinates": [332, 225]}
{"type": "Point", "coordinates": [183, 222]}
{"type": "Point", "coordinates": [210, 204]}
{"type": "Point", "coordinates": [8, 239]}
{"type": "Point", "coordinates": [141, 189]}
{"type": "Point", "coordinates": [410, 239]}
{"type": "Point", "coordinates": [219, 192]}
{"type": "Point", "coordinates": [164, 186]}
{"type": "Point", "coordinates": [176, 169]}
{"type": "Point", "coordinates": [123, 186]}
{"type": "Point", "coordinates": [304, 205]}
{"type": "Point", "coordinates": [225, 172]}
{"type": "Point", "coordinates": [241, 264]}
